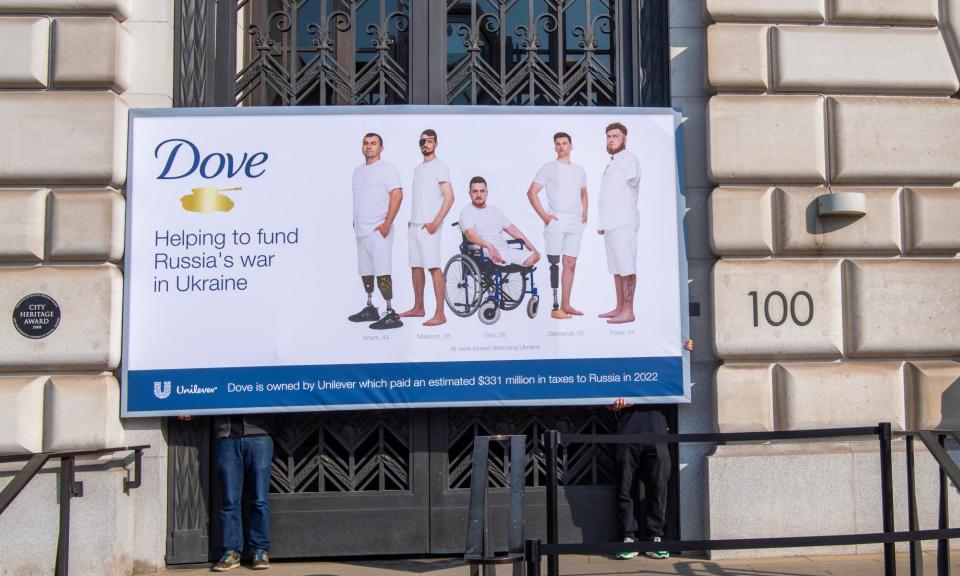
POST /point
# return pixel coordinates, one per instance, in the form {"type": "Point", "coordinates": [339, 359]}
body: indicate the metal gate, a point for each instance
{"type": "Point", "coordinates": [339, 478]}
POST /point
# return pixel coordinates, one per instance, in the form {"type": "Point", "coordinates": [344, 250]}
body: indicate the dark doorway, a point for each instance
{"type": "Point", "coordinates": [338, 477]}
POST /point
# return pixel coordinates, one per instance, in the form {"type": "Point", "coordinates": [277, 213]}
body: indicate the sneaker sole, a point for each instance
{"type": "Point", "coordinates": [227, 569]}
{"type": "Point", "coordinates": [628, 556]}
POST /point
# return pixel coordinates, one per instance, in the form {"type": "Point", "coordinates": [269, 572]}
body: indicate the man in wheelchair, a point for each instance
{"type": "Point", "coordinates": [495, 268]}
{"type": "Point", "coordinates": [485, 225]}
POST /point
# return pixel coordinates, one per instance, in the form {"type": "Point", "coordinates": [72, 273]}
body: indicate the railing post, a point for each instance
{"type": "Point", "coordinates": [478, 527]}
{"type": "Point", "coordinates": [553, 561]}
{"type": "Point", "coordinates": [129, 484]}
{"type": "Point", "coordinates": [479, 550]}
{"type": "Point", "coordinates": [515, 533]}
{"type": "Point", "coordinates": [886, 495]}
{"type": "Point", "coordinates": [532, 552]}
{"type": "Point", "coordinates": [943, 546]}
{"type": "Point", "coordinates": [916, 549]}
{"type": "Point", "coordinates": [64, 497]}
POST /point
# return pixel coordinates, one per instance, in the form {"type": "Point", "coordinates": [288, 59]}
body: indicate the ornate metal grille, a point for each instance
{"type": "Point", "coordinates": [553, 52]}
{"type": "Point", "coordinates": [349, 452]}
{"type": "Point", "coordinates": [300, 52]}
{"type": "Point", "coordinates": [193, 65]}
{"type": "Point", "coordinates": [587, 464]}
{"type": "Point", "coordinates": [188, 474]}
{"type": "Point", "coordinates": [507, 52]}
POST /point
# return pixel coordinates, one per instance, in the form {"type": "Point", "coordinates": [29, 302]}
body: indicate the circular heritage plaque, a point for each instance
{"type": "Point", "coordinates": [36, 316]}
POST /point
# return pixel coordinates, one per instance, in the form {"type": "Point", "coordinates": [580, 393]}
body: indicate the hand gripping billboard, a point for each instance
{"type": "Point", "coordinates": [396, 257]}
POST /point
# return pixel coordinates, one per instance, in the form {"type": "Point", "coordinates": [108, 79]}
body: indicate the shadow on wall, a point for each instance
{"type": "Point", "coordinates": [950, 407]}
{"type": "Point", "coordinates": [818, 225]}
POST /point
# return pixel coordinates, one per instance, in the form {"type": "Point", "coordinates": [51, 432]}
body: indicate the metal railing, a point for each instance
{"type": "Point", "coordinates": [68, 487]}
{"type": "Point", "coordinates": [933, 440]}
{"type": "Point", "coordinates": [479, 551]}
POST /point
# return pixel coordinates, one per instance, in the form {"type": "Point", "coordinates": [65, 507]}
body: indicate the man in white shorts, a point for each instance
{"type": "Point", "coordinates": [564, 219]}
{"type": "Point", "coordinates": [377, 195]}
{"type": "Point", "coordinates": [619, 221]}
{"type": "Point", "coordinates": [432, 199]}
{"type": "Point", "coordinates": [487, 227]}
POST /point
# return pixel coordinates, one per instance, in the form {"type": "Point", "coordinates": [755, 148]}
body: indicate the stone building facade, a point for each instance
{"type": "Point", "coordinates": [69, 72]}
{"type": "Point", "coordinates": [829, 320]}
{"type": "Point", "coordinates": [806, 321]}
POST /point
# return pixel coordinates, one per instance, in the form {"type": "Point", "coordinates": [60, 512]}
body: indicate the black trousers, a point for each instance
{"type": "Point", "coordinates": [643, 474]}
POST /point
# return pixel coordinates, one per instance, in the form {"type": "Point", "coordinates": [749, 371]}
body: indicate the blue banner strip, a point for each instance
{"type": "Point", "coordinates": [402, 385]}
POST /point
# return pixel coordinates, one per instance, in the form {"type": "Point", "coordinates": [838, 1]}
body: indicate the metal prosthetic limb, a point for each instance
{"type": "Point", "coordinates": [554, 278]}
{"type": "Point", "coordinates": [368, 288]}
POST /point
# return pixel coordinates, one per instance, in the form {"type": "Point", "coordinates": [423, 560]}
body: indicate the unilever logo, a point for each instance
{"type": "Point", "coordinates": [183, 158]}
{"type": "Point", "coordinates": [162, 389]}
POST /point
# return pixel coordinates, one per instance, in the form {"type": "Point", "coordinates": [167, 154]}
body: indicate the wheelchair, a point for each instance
{"type": "Point", "coordinates": [474, 282]}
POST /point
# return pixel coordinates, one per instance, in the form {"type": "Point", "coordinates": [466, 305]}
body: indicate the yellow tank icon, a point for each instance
{"type": "Point", "coordinates": [207, 200]}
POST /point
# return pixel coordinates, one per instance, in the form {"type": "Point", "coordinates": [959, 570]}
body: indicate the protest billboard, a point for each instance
{"type": "Point", "coordinates": [271, 255]}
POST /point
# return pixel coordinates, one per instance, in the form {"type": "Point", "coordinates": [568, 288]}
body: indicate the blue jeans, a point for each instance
{"type": "Point", "coordinates": [245, 462]}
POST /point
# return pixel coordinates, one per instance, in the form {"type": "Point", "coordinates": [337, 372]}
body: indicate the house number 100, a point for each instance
{"type": "Point", "coordinates": [776, 319]}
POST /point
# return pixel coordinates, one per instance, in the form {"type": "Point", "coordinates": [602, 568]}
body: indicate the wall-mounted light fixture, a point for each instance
{"type": "Point", "coordinates": [842, 204]}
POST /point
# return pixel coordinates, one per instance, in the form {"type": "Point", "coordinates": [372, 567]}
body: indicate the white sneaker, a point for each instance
{"type": "Point", "coordinates": [659, 554]}
{"type": "Point", "coordinates": [627, 555]}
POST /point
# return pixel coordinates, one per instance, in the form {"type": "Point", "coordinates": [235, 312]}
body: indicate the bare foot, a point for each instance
{"type": "Point", "coordinates": [571, 311]}
{"type": "Point", "coordinates": [611, 314]}
{"type": "Point", "coordinates": [413, 313]}
{"type": "Point", "coordinates": [622, 318]}
{"type": "Point", "coordinates": [559, 314]}
{"type": "Point", "coordinates": [435, 321]}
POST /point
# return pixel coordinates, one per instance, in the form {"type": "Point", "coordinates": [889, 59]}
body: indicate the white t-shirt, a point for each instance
{"type": "Point", "coordinates": [488, 222]}
{"type": "Point", "coordinates": [427, 197]}
{"type": "Point", "coordinates": [372, 184]}
{"type": "Point", "coordinates": [619, 192]}
{"type": "Point", "coordinates": [563, 183]}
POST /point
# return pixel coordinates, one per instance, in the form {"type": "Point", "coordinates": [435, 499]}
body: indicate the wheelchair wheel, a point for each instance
{"type": "Point", "coordinates": [489, 312]}
{"type": "Point", "coordinates": [463, 285]}
{"type": "Point", "coordinates": [512, 288]}
{"type": "Point", "coordinates": [532, 306]}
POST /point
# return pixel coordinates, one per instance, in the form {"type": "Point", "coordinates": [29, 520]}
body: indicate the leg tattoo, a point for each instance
{"type": "Point", "coordinates": [629, 286]}
{"type": "Point", "coordinates": [385, 284]}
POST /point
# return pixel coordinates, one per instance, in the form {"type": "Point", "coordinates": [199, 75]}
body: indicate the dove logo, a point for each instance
{"type": "Point", "coordinates": [183, 158]}
{"type": "Point", "coordinates": [161, 389]}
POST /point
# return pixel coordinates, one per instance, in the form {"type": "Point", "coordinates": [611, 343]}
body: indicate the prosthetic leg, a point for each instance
{"type": "Point", "coordinates": [369, 312]}
{"type": "Point", "coordinates": [555, 284]}
{"type": "Point", "coordinates": [390, 318]}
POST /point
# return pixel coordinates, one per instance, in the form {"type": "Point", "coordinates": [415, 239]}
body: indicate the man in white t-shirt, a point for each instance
{"type": "Point", "coordinates": [564, 218]}
{"type": "Point", "coordinates": [432, 199]}
{"type": "Point", "coordinates": [487, 227]}
{"type": "Point", "coordinates": [619, 221]}
{"type": "Point", "coordinates": [377, 195]}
